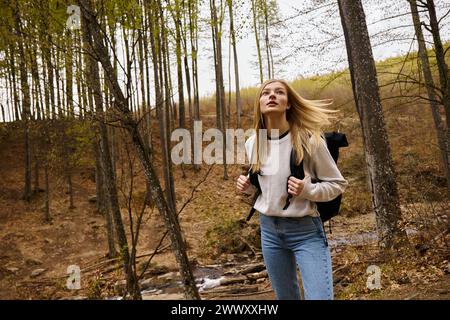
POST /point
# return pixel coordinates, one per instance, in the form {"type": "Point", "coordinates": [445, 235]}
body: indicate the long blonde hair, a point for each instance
{"type": "Point", "coordinates": [306, 119]}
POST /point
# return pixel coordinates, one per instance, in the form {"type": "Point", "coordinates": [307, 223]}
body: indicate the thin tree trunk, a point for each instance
{"type": "Point", "coordinates": [266, 27]}
{"type": "Point", "coordinates": [220, 92]}
{"type": "Point", "coordinates": [47, 216]}
{"type": "Point", "coordinates": [236, 66]}
{"type": "Point", "coordinates": [188, 79]}
{"type": "Point", "coordinates": [258, 46]}
{"type": "Point", "coordinates": [60, 105]}
{"type": "Point", "coordinates": [165, 120]}
{"type": "Point", "coordinates": [193, 28]}
{"type": "Point", "coordinates": [69, 75]}
{"type": "Point", "coordinates": [170, 216]}
{"type": "Point", "coordinates": [25, 101]}
{"type": "Point", "coordinates": [381, 173]}
{"type": "Point", "coordinates": [443, 77]}
{"type": "Point", "coordinates": [148, 119]}
{"type": "Point", "coordinates": [178, 26]}
{"type": "Point", "coordinates": [428, 77]}
{"type": "Point", "coordinates": [36, 173]}
{"type": "Point", "coordinates": [105, 156]}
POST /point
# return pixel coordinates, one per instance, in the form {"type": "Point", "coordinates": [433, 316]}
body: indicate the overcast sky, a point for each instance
{"type": "Point", "coordinates": [315, 41]}
{"type": "Point", "coordinates": [309, 42]}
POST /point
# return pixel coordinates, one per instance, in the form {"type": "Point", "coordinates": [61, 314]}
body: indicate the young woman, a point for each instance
{"type": "Point", "coordinates": [293, 236]}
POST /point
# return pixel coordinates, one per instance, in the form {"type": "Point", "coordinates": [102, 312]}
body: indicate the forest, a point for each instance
{"type": "Point", "coordinates": [97, 202]}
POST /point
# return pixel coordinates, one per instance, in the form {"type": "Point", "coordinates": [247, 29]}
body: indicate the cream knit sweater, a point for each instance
{"type": "Point", "coordinates": [276, 170]}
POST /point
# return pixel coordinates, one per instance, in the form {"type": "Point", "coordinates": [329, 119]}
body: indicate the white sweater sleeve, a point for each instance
{"type": "Point", "coordinates": [331, 184]}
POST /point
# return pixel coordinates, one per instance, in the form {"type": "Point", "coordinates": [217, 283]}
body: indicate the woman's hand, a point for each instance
{"type": "Point", "coordinates": [243, 182]}
{"type": "Point", "coordinates": [295, 186]}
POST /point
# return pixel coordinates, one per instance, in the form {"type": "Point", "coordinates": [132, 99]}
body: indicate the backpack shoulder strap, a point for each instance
{"type": "Point", "coordinates": [296, 170]}
{"type": "Point", "coordinates": [254, 181]}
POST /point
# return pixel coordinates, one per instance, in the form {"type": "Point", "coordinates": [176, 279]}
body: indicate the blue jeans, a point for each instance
{"type": "Point", "coordinates": [287, 242]}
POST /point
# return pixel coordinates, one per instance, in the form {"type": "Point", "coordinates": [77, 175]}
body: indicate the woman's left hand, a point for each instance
{"type": "Point", "coordinates": [295, 186]}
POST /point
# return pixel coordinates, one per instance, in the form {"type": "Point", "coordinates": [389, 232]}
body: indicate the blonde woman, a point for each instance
{"type": "Point", "coordinates": [293, 236]}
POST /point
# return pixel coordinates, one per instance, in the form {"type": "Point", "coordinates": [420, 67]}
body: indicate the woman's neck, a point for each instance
{"type": "Point", "coordinates": [272, 123]}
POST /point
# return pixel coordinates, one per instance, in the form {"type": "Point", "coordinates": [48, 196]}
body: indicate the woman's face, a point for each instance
{"type": "Point", "coordinates": [274, 98]}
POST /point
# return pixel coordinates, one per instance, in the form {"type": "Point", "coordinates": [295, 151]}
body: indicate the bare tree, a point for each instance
{"type": "Point", "coordinates": [25, 98]}
{"type": "Point", "coordinates": [429, 83]}
{"type": "Point", "coordinates": [381, 173]}
{"type": "Point", "coordinates": [443, 73]}
{"type": "Point", "coordinates": [107, 169]}
{"type": "Point", "coordinates": [236, 66]}
{"type": "Point", "coordinates": [98, 49]}
{"type": "Point", "coordinates": [216, 28]}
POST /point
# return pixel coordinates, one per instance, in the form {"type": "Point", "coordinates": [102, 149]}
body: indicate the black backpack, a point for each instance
{"type": "Point", "coordinates": [326, 209]}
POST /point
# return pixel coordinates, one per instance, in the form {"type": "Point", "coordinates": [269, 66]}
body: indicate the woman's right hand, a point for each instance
{"type": "Point", "coordinates": [243, 182]}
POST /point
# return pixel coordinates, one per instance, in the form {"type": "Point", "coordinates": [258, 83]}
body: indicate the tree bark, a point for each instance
{"type": "Point", "coordinates": [258, 46]}
{"type": "Point", "coordinates": [236, 66]}
{"type": "Point", "coordinates": [170, 217]}
{"type": "Point", "coordinates": [220, 92]}
{"type": "Point", "coordinates": [429, 82]}
{"type": "Point", "coordinates": [178, 26]}
{"type": "Point", "coordinates": [105, 156]}
{"type": "Point", "coordinates": [381, 174]}
{"type": "Point", "coordinates": [25, 100]}
{"type": "Point", "coordinates": [443, 76]}
{"type": "Point", "coordinates": [165, 115]}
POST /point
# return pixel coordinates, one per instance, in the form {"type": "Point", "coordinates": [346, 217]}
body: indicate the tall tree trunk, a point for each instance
{"type": "Point", "coordinates": [69, 75]}
{"type": "Point", "coordinates": [165, 117]}
{"type": "Point", "coordinates": [188, 79]}
{"type": "Point", "coordinates": [381, 173]}
{"type": "Point", "coordinates": [258, 46]}
{"type": "Point", "coordinates": [60, 104]}
{"type": "Point", "coordinates": [236, 66]}
{"type": "Point", "coordinates": [105, 156]}
{"type": "Point", "coordinates": [443, 76]}
{"type": "Point", "coordinates": [428, 77]}
{"type": "Point", "coordinates": [36, 172]}
{"type": "Point", "coordinates": [101, 202]}
{"type": "Point", "coordinates": [266, 39]}
{"type": "Point", "coordinates": [47, 216]}
{"type": "Point", "coordinates": [220, 92]}
{"type": "Point", "coordinates": [12, 81]}
{"type": "Point", "coordinates": [25, 100]}
{"type": "Point", "coordinates": [178, 26]}
{"type": "Point", "coordinates": [193, 29]}
{"type": "Point", "coordinates": [78, 70]}
{"type": "Point", "coordinates": [170, 216]}
{"type": "Point", "coordinates": [36, 82]}
{"type": "Point", "coordinates": [148, 119]}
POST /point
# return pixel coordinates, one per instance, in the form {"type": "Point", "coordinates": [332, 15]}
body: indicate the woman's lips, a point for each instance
{"type": "Point", "coordinates": [272, 104]}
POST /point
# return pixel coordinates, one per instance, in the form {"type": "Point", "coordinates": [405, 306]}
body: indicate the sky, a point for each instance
{"type": "Point", "coordinates": [309, 42]}
{"type": "Point", "coordinates": [304, 32]}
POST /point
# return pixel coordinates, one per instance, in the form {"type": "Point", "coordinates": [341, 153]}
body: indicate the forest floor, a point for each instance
{"type": "Point", "coordinates": [35, 255]}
